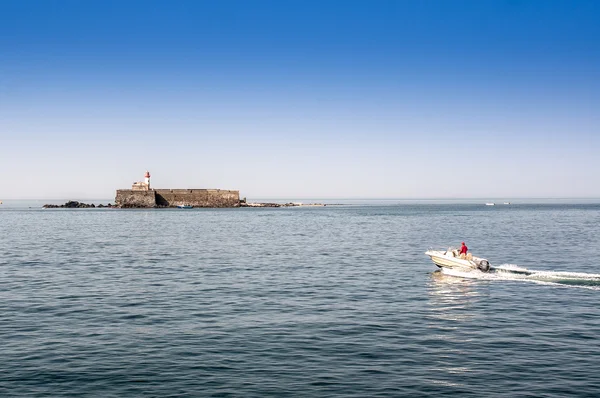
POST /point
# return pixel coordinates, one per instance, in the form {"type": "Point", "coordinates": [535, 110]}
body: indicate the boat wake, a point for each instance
{"type": "Point", "coordinates": [512, 272]}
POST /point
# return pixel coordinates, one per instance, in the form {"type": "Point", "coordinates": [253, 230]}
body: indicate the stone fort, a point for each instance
{"type": "Point", "coordinates": [141, 195]}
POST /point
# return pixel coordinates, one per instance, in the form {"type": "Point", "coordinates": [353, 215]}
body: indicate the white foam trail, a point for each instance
{"type": "Point", "coordinates": [549, 274]}
{"type": "Point", "coordinates": [511, 267]}
{"type": "Point", "coordinates": [513, 272]}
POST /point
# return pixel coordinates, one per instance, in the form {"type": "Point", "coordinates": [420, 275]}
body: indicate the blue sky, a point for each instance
{"type": "Point", "coordinates": [329, 99]}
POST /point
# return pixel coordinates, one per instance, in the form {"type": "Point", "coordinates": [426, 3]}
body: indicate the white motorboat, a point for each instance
{"type": "Point", "coordinates": [451, 259]}
{"type": "Point", "coordinates": [490, 204]}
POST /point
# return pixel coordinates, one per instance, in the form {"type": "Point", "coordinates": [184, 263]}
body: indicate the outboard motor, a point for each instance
{"type": "Point", "coordinates": [484, 265]}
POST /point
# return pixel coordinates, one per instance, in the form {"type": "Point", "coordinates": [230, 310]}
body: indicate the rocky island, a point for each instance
{"type": "Point", "coordinates": [142, 196]}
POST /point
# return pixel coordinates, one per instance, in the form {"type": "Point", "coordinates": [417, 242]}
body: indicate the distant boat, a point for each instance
{"type": "Point", "coordinates": [490, 204]}
{"type": "Point", "coordinates": [506, 203]}
{"type": "Point", "coordinates": [185, 206]}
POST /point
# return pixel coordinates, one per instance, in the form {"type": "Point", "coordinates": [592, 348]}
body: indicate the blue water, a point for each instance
{"type": "Point", "coordinates": [336, 301]}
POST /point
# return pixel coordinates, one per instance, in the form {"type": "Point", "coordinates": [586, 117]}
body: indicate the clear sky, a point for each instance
{"type": "Point", "coordinates": [316, 99]}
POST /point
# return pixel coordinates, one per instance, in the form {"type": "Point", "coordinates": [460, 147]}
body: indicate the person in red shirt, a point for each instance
{"type": "Point", "coordinates": [463, 250]}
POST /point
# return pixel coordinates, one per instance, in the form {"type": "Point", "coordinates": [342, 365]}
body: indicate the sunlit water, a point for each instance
{"type": "Point", "coordinates": [316, 302]}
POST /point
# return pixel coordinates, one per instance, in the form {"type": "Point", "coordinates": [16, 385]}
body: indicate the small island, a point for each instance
{"type": "Point", "coordinates": [142, 196]}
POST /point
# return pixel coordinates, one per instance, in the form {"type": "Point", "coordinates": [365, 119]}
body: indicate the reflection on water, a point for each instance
{"type": "Point", "coordinates": [449, 296]}
{"type": "Point", "coordinates": [452, 310]}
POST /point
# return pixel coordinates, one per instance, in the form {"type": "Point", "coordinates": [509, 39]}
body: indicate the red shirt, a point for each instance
{"type": "Point", "coordinates": [464, 249]}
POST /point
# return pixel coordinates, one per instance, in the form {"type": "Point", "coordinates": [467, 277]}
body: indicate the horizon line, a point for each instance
{"type": "Point", "coordinates": [354, 198]}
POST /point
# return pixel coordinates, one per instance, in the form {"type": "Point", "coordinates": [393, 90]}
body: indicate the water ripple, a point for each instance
{"type": "Point", "coordinates": [335, 301]}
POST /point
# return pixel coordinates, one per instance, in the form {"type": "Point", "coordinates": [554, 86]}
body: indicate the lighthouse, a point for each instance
{"type": "Point", "coordinates": [142, 185]}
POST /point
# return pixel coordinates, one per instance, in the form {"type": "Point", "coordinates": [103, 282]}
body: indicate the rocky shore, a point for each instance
{"type": "Point", "coordinates": [73, 204]}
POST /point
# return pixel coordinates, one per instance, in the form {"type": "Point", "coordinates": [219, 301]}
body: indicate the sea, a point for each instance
{"type": "Point", "coordinates": [327, 301]}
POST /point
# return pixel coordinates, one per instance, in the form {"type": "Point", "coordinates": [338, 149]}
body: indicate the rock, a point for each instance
{"type": "Point", "coordinates": [71, 204]}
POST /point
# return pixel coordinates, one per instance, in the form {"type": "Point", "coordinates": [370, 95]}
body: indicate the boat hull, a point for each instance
{"type": "Point", "coordinates": [444, 260]}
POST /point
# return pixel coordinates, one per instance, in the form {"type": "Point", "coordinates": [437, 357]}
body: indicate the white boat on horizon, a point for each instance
{"type": "Point", "coordinates": [490, 204]}
{"type": "Point", "coordinates": [451, 259]}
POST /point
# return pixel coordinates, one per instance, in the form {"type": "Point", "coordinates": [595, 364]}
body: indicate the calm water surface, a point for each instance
{"type": "Point", "coordinates": [317, 302]}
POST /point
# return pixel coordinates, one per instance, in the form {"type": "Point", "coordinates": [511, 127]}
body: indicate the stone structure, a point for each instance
{"type": "Point", "coordinates": [197, 197]}
{"type": "Point", "coordinates": [141, 195]}
{"type": "Point", "coordinates": [135, 198]}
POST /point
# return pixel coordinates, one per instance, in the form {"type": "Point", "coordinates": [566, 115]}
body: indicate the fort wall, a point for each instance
{"type": "Point", "coordinates": [176, 197]}
{"type": "Point", "coordinates": [197, 197]}
{"type": "Point", "coordinates": [135, 198]}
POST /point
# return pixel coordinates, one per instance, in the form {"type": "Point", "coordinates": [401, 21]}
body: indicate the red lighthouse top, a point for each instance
{"type": "Point", "coordinates": [147, 175]}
